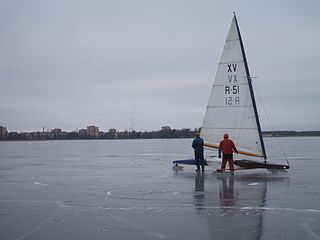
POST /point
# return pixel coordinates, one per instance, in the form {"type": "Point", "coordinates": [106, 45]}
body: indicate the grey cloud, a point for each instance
{"type": "Point", "coordinates": [69, 64]}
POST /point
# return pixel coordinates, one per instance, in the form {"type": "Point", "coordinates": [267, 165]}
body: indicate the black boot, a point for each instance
{"type": "Point", "coordinates": [198, 168]}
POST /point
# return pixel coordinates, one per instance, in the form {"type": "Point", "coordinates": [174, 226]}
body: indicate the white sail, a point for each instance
{"type": "Point", "coordinates": [231, 107]}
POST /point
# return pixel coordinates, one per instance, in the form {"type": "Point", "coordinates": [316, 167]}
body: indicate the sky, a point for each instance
{"type": "Point", "coordinates": [145, 64]}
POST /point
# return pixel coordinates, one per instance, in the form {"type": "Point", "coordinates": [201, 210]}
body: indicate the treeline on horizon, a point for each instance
{"type": "Point", "coordinates": [290, 133]}
{"type": "Point", "coordinates": [164, 133]}
{"type": "Point", "coordinates": [111, 134]}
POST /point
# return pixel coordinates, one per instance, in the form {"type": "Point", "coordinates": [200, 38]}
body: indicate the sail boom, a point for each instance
{"type": "Point", "coordinates": [216, 146]}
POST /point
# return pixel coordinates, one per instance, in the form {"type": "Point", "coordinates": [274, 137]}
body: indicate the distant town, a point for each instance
{"type": "Point", "coordinates": [92, 132]}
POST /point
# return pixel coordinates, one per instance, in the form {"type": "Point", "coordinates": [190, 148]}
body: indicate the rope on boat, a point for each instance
{"type": "Point", "coordinates": [272, 127]}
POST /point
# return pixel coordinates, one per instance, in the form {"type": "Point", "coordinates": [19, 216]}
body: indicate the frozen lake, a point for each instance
{"type": "Point", "coordinates": [127, 189]}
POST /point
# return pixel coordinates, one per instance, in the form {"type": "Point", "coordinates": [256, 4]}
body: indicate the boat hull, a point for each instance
{"type": "Point", "coordinates": [188, 162]}
{"type": "Point", "coordinates": [249, 164]}
{"type": "Point", "coordinates": [242, 164]}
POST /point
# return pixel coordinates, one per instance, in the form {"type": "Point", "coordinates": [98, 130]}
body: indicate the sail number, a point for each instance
{"type": "Point", "coordinates": [231, 89]}
{"type": "Point", "coordinates": [232, 101]}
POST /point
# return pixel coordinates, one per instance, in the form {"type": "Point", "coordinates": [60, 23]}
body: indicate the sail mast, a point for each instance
{"type": "Point", "coordinates": [251, 89]}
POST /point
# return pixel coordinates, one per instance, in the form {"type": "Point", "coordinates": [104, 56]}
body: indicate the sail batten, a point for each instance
{"type": "Point", "coordinates": [231, 128]}
{"type": "Point", "coordinates": [231, 107]}
{"type": "Point", "coordinates": [231, 62]}
{"type": "Point", "coordinates": [219, 85]}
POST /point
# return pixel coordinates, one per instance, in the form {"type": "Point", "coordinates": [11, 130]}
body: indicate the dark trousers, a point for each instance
{"type": "Point", "coordinates": [198, 156]}
{"type": "Point", "coordinates": [227, 158]}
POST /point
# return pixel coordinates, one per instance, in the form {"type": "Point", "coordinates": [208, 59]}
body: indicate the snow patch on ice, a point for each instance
{"type": "Point", "coordinates": [254, 184]}
{"type": "Point", "coordinates": [41, 184]}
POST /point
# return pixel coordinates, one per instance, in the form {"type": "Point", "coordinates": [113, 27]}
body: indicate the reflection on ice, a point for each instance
{"type": "Point", "coordinates": [226, 190]}
{"type": "Point", "coordinates": [237, 208]}
{"type": "Point", "coordinates": [113, 193]}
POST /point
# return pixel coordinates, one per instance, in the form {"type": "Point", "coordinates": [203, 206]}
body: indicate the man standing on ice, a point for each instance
{"type": "Point", "coordinates": [227, 147]}
{"type": "Point", "coordinates": [197, 145]}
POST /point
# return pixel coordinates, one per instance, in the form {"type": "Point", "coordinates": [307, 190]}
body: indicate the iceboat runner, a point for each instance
{"type": "Point", "coordinates": [232, 109]}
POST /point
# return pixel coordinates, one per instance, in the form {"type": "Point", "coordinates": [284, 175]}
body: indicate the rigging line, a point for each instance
{"type": "Point", "coordinates": [242, 120]}
{"type": "Point", "coordinates": [273, 129]}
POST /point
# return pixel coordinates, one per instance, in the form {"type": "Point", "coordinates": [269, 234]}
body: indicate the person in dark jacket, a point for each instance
{"type": "Point", "coordinates": [227, 148]}
{"type": "Point", "coordinates": [197, 145]}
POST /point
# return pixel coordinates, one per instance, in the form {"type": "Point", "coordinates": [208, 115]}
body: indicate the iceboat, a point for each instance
{"type": "Point", "coordinates": [232, 109]}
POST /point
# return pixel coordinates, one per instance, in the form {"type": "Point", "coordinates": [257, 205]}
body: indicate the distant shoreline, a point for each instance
{"type": "Point", "coordinates": [168, 134]}
{"type": "Point", "coordinates": [291, 133]}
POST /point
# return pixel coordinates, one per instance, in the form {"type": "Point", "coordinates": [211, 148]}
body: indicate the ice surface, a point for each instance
{"type": "Point", "coordinates": [128, 190]}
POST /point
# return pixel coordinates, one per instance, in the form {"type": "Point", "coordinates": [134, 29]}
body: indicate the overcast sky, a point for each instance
{"type": "Point", "coordinates": [145, 64]}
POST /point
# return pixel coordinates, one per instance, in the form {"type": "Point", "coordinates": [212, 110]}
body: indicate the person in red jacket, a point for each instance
{"type": "Point", "coordinates": [227, 147]}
